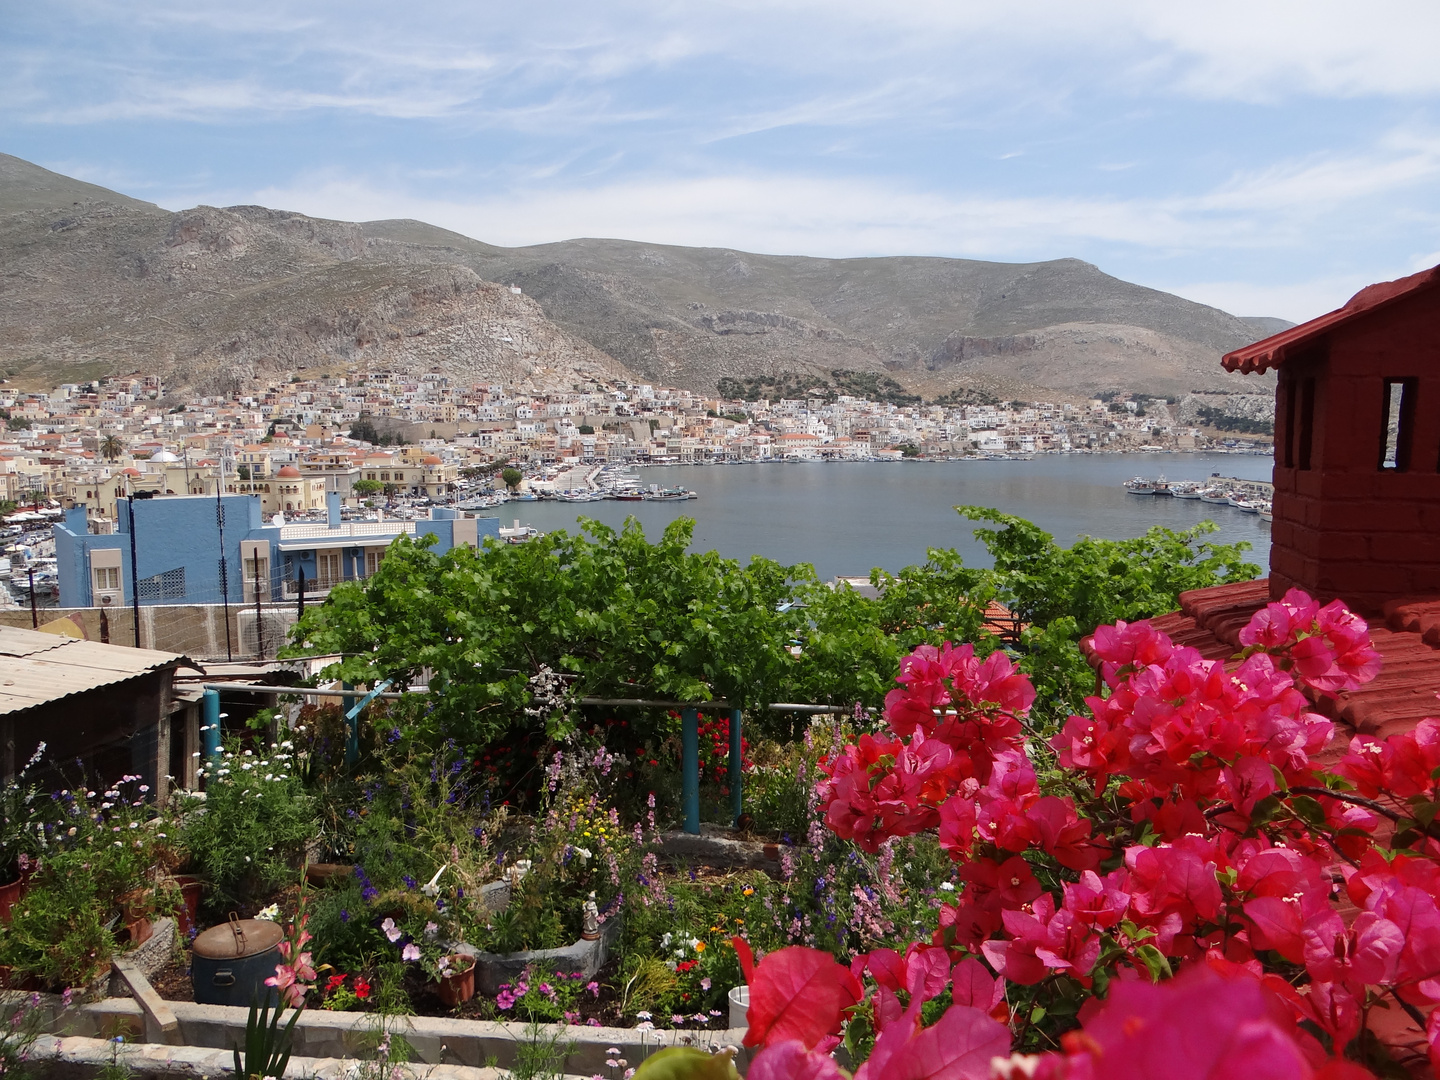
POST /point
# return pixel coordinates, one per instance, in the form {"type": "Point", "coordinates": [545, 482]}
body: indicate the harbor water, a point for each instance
{"type": "Point", "coordinates": [845, 518]}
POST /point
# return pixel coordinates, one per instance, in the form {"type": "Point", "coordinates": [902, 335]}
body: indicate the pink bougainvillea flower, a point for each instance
{"type": "Point", "coordinates": [790, 1060]}
{"type": "Point", "coordinates": [1200, 1025]}
{"type": "Point", "coordinates": [795, 994]}
{"type": "Point", "coordinates": [959, 1046]}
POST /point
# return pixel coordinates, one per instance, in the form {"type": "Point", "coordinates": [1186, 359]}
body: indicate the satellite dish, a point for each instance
{"type": "Point", "coordinates": [278, 519]}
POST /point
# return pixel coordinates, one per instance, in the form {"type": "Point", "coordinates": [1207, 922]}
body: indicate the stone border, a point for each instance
{"type": "Point", "coordinates": [78, 1058]}
{"type": "Point", "coordinates": [436, 1039]}
{"type": "Point", "coordinates": [715, 846]}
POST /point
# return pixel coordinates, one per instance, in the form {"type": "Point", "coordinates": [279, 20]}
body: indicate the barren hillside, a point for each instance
{"type": "Point", "coordinates": [94, 281]}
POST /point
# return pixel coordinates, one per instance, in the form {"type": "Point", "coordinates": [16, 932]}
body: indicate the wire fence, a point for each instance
{"type": "Point", "coordinates": [205, 630]}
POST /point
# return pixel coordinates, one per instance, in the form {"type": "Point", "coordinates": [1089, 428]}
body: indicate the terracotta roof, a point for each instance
{"type": "Point", "coordinates": [1272, 351]}
{"type": "Point", "coordinates": [1407, 636]}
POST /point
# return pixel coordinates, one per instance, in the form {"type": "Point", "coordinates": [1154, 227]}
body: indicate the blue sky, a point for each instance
{"type": "Point", "coordinates": [1266, 157]}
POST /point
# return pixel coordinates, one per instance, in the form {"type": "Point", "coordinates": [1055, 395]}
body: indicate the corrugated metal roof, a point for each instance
{"type": "Point", "coordinates": [37, 668]}
{"type": "Point", "coordinates": [1272, 351]}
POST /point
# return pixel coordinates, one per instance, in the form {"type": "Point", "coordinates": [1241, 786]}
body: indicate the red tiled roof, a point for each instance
{"type": "Point", "coordinates": [1271, 352]}
{"type": "Point", "coordinates": [1407, 636]}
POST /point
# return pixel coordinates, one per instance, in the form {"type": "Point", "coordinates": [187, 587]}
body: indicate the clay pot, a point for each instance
{"type": "Point", "coordinates": [135, 912]}
{"type": "Point", "coordinates": [318, 873]}
{"type": "Point", "coordinates": [10, 895]}
{"type": "Point", "coordinates": [459, 987]}
{"type": "Point", "coordinates": [187, 915]}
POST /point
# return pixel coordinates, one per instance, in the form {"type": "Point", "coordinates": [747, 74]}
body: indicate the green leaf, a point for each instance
{"type": "Point", "coordinates": [1155, 962]}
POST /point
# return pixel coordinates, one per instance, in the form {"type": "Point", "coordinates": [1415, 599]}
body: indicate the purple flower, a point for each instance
{"type": "Point", "coordinates": [705, 983]}
{"type": "Point", "coordinates": [410, 952]}
{"type": "Point", "coordinates": [344, 915]}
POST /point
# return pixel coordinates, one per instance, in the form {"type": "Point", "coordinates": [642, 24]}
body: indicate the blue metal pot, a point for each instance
{"type": "Point", "coordinates": [231, 962]}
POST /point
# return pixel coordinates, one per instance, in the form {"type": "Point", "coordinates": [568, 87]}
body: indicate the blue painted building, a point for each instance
{"type": "Point", "coordinates": [180, 556]}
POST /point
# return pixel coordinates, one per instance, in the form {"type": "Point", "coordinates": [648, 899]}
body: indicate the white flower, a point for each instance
{"type": "Point", "coordinates": [269, 914]}
{"type": "Point", "coordinates": [947, 886]}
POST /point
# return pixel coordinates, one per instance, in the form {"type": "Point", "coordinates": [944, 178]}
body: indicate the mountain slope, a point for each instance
{"type": "Point", "coordinates": [213, 298]}
{"type": "Point", "coordinates": [693, 315]}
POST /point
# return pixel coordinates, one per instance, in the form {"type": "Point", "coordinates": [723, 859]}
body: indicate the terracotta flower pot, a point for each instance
{"type": "Point", "coordinates": [460, 986]}
{"type": "Point", "coordinates": [10, 895]}
{"type": "Point", "coordinates": [135, 912]}
{"type": "Point", "coordinates": [187, 915]}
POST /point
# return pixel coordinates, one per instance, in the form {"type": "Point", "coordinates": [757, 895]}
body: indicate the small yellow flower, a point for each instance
{"type": "Point", "coordinates": [699, 946]}
{"type": "Point", "coordinates": [749, 891]}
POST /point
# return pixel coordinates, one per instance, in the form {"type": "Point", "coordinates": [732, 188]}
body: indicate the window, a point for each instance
{"type": "Point", "coordinates": [330, 572]}
{"type": "Point", "coordinates": [373, 559]}
{"type": "Point", "coordinates": [107, 578]}
{"type": "Point", "coordinates": [1305, 433]}
{"type": "Point", "coordinates": [1397, 421]}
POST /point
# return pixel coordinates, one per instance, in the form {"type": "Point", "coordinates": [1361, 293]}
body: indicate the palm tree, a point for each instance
{"type": "Point", "coordinates": [111, 447]}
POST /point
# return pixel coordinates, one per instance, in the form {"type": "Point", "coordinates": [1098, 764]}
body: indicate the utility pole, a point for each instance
{"type": "Point", "coordinates": [224, 581]}
{"type": "Point", "coordinates": [301, 581]}
{"type": "Point", "coordinates": [34, 613]}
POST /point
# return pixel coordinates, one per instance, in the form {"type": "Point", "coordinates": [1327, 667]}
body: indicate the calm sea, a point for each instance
{"type": "Point", "coordinates": [848, 517]}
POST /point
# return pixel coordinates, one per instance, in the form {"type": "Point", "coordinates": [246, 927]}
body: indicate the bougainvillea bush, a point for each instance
{"type": "Point", "coordinates": [1171, 886]}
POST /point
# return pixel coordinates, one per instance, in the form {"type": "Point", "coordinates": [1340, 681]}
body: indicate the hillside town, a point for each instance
{"type": "Point", "coordinates": [423, 436]}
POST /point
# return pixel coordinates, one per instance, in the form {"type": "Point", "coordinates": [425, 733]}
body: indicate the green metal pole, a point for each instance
{"type": "Point", "coordinates": [210, 728]}
{"type": "Point", "coordinates": [737, 762]}
{"type": "Point", "coordinates": [352, 727]}
{"type": "Point", "coordinates": [690, 768]}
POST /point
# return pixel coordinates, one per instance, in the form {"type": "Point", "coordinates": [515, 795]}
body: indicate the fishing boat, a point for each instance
{"type": "Point", "coordinates": [1138, 485]}
{"type": "Point", "coordinates": [1185, 489]}
{"type": "Point", "coordinates": [1215, 495]}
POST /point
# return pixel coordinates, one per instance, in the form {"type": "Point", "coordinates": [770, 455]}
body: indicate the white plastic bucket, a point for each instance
{"type": "Point", "coordinates": [739, 1006]}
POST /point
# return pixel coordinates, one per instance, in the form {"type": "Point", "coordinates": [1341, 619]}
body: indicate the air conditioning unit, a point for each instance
{"type": "Point", "coordinates": [109, 598]}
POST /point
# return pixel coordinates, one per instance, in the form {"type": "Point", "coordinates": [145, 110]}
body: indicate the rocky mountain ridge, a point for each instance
{"type": "Point", "coordinates": [216, 298]}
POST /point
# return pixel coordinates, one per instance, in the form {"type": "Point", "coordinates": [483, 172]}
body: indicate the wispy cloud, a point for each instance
{"type": "Point", "coordinates": [864, 216]}
{"type": "Point", "coordinates": [1185, 140]}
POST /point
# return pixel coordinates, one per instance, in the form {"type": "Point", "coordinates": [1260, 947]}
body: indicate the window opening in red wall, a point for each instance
{"type": "Point", "coordinates": [1305, 435]}
{"type": "Point", "coordinates": [1397, 418]}
{"type": "Point", "coordinates": [1285, 419]}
